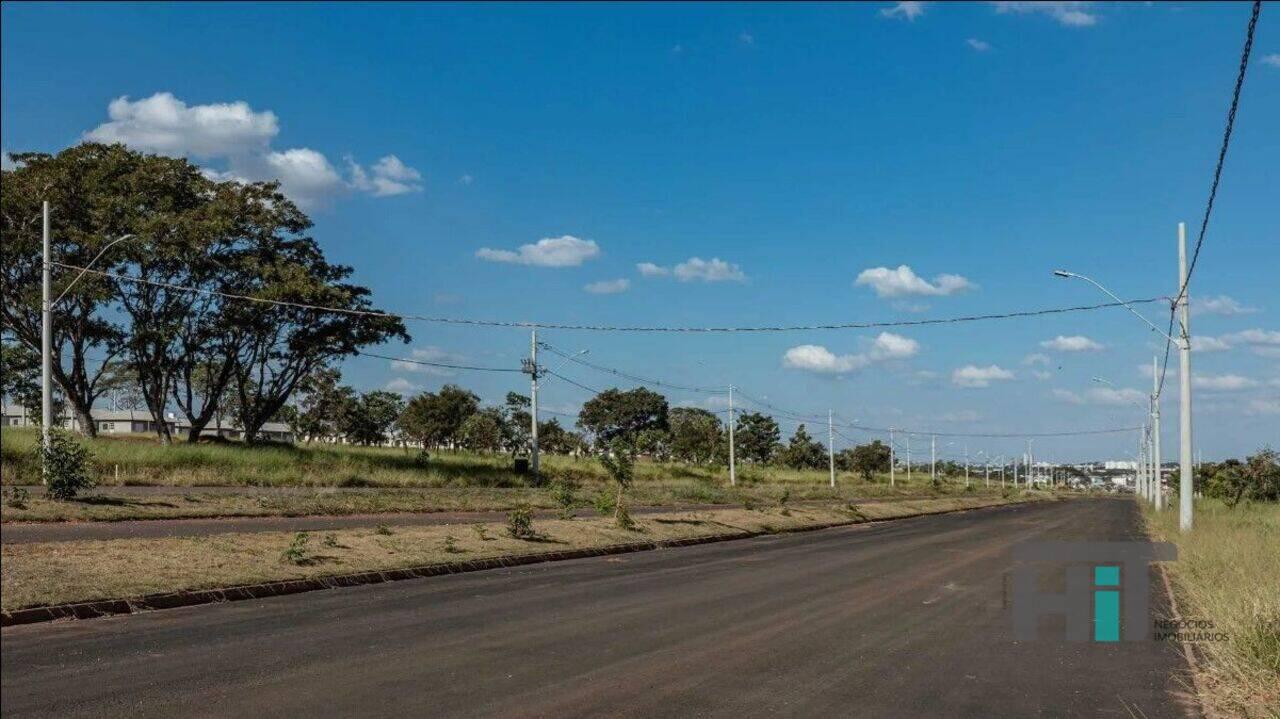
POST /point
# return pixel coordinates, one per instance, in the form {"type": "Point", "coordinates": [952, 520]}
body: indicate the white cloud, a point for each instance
{"type": "Point", "coordinates": [886, 347]}
{"type": "Point", "coordinates": [713, 270]}
{"type": "Point", "coordinates": [908, 11]}
{"type": "Point", "coordinates": [400, 385]}
{"type": "Point", "coordinates": [974, 376]}
{"type": "Point", "coordinates": [964, 415]}
{"type": "Point", "coordinates": [1220, 305]}
{"type": "Point", "coordinates": [816, 358]}
{"type": "Point", "coordinates": [1075, 343]}
{"type": "Point", "coordinates": [648, 269]}
{"type": "Point", "coordinates": [1036, 358]}
{"type": "Point", "coordinates": [608, 287]}
{"type": "Point", "coordinates": [168, 126]}
{"type": "Point", "coordinates": [1264, 405]}
{"type": "Point", "coordinates": [466, 180]}
{"type": "Point", "coordinates": [1222, 382]}
{"type": "Point", "coordinates": [904, 282]}
{"type": "Point", "coordinates": [390, 177]}
{"type": "Point", "coordinates": [564, 251]}
{"type": "Point", "coordinates": [1067, 396]}
{"type": "Point", "coordinates": [1041, 374]}
{"type": "Point", "coordinates": [239, 138]}
{"type": "Point", "coordinates": [746, 38]}
{"type": "Point", "coordinates": [1074, 14]}
{"type": "Point", "coordinates": [1251, 337]}
{"type": "Point", "coordinates": [1209, 344]}
{"type": "Point", "coordinates": [1114, 397]}
{"type": "Point", "coordinates": [428, 354]}
{"type": "Point", "coordinates": [978, 45]}
{"type": "Point", "coordinates": [1272, 59]}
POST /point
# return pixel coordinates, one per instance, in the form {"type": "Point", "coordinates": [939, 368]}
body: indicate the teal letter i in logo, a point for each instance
{"type": "Point", "coordinates": [1106, 604]}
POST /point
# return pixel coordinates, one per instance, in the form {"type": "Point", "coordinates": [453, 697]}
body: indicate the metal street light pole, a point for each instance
{"type": "Point", "coordinates": [831, 448]}
{"type": "Point", "coordinates": [733, 476]}
{"type": "Point", "coordinates": [46, 345]}
{"type": "Point", "coordinates": [893, 459]}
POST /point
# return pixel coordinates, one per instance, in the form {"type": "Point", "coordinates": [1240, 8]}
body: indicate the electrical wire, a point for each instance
{"type": "Point", "coordinates": [616, 328]}
{"type": "Point", "coordinates": [439, 364]}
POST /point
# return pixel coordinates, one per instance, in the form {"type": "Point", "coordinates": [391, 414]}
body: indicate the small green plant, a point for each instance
{"type": "Point", "coordinates": [619, 461]}
{"type": "Point", "coordinates": [17, 497]}
{"type": "Point", "coordinates": [749, 504]}
{"type": "Point", "coordinates": [296, 552]}
{"type": "Point", "coordinates": [782, 502]}
{"type": "Point", "coordinates": [855, 511]}
{"type": "Point", "coordinates": [330, 541]}
{"type": "Point", "coordinates": [66, 462]}
{"type": "Point", "coordinates": [623, 518]}
{"type": "Point", "coordinates": [604, 504]}
{"type": "Point", "coordinates": [520, 523]}
{"type": "Point", "coordinates": [382, 529]}
{"type": "Point", "coordinates": [565, 494]}
{"type": "Point", "coordinates": [481, 532]}
{"type": "Point", "coordinates": [451, 544]}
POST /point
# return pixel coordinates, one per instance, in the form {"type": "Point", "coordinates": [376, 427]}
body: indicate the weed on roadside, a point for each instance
{"type": "Point", "coordinates": [451, 544]}
{"type": "Point", "coordinates": [330, 541]}
{"type": "Point", "coordinates": [565, 494]}
{"type": "Point", "coordinates": [296, 552]}
{"type": "Point", "coordinates": [520, 523]}
{"type": "Point", "coordinates": [382, 529]}
{"type": "Point", "coordinates": [604, 504]}
{"type": "Point", "coordinates": [17, 497]}
{"type": "Point", "coordinates": [481, 533]}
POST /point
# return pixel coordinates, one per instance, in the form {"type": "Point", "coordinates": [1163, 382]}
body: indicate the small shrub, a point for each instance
{"type": "Point", "coordinates": [382, 529]}
{"type": "Point", "coordinates": [355, 480]}
{"type": "Point", "coordinates": [451, 544]}
{"type": "Point", "coordinates": [520, 523]}
{"type": "Point", "coordinates": [481, 533]}
{"type": "Point", "coordinates": [782, 502]}
{"type": "Point", "coordinates": [17, 497]}
{"type": "Point", "coordinates": [604, 504]}
{"type": "Point", "coordinates": [749, 504]}
{"type": "Point", "coordinates": [855, 511]}
{"type": "Point", "coordinates": [67, 461]}
{"type": "Point", "coordinates": [296, 552]}
{"type": "Point", "coordinates": [623, 518]}
{"type": "Point", "coordinates": [330, 541]}
{"type": "Point", "coordinates": [565, 494]}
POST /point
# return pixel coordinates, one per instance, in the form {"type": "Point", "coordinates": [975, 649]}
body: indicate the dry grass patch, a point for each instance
{"type": "Point", "coordinates": [1228, 571]}
{"type": "Point", "coordinates": [60, 572]}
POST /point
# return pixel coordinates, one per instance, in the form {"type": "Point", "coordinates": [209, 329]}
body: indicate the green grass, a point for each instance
{"type": "Point", "coordinates": [1228, 571]}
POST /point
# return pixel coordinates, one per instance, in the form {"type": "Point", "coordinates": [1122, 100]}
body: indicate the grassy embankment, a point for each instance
{"type": "Point", "coordinates": [44, 574]}
{"type": "Point", "coordinates": [1228, 572]}
{"type": "Point", "coordinates": [402, 483]}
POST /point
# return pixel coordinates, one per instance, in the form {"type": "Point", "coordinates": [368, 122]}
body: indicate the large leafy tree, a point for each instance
{"type": "Point", "coordinates": [756, 437]}
{"type": "Point", "coordinates": [90, 189]}
{"type": "Point", "coordinates": [321, 405]}
{"type": "Point", "coordinates": [697, 435]}
{"type": "Point", "coordinates": [372, 417]}
{"type": "Point", "coordinates": [615, 414]}
{"type": "Point", "coordinates": [434, 419]}
{"type": "Point", "coordinates": [802, 452]}
{"type": "Point", "coordinates": [482, 431]}
{"type": "Point", "coordinates": [867, 459]}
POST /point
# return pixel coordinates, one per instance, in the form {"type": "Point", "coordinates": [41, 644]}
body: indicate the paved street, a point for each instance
{"type": "Point", "coordinates": [899, 619]}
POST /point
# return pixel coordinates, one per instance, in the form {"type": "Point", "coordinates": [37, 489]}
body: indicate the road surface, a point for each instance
{"type": "Point", "coordinates": [899, 619]}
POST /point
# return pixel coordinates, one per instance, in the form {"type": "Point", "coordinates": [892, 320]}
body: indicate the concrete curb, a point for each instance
{"type": "Point", "coordinates": [173, 600]}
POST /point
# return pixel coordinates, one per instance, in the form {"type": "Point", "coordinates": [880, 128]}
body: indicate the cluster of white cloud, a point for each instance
{"type": "Point", "coordinates": [1220, 305]}
{"type": "Point", "coordinates": [240, 138]}
{"type": "Point", "coordinates": [816, 358]}
{"type": "Point", "coordinates": [608, 287]}
{"type": "Point", "coordinates": [696, 269]}
{"type": "Point", "coordinates": [1272, 59]}
{"type": "Point", "coordinates": [1264, 343]}
{"type": "Point", "coordinates": [428, 354]}
{"type": "Point", "coordinates": [978, 45]}
{"type": "Point", "coordinates": [1108, 396]}
{"type": "Point", "coordinates": [1074, 343]}
{"type": "Point", "coordinates": [908, 11]}
{"type": "Point", "coordinates": [975, 376]}
{"type": "Point", "coordinates": [563, 251]}
{"type": "Point", "coordinates": [1072, 14]}
{"type": "Point", "coordinates": [1222, 382]}
{"type": "Point", "coordinates": [904, 282]}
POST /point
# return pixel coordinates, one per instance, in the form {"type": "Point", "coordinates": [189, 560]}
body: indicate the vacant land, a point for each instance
{"type": "Point", "coordinates": [391, 480]}
{"type": "Point", "coordinates": [1228, 572]}
{"type": "Point", "coordinates": [42, 574]}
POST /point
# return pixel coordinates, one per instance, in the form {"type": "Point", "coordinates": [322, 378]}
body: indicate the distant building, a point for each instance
{"type": "Point", "coordinates": [124, 421]}
{"type": "Point", "coordinates": [1120, 464]}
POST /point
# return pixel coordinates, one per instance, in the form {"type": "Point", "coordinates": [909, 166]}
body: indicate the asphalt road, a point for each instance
{"type": "Point", "coordinates": [899, 619]}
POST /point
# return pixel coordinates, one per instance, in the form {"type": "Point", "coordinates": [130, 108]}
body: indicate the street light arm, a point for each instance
{"type": "Point", "coordinates": [1112, 295]}
{"type": "Point", "coordinates": [97, 257]}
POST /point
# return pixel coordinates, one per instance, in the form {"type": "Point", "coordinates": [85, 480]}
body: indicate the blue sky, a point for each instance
{"type": "Point", "coordinates": [789, 150]}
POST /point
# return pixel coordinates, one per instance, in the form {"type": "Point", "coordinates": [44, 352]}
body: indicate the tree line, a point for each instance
{"type": "Point", "coordinates": [201, 352]}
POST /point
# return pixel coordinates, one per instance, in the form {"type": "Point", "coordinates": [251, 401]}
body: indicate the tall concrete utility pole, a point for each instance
{"type": "Point", "coordinates": [893, 459]}
{"type": "Point", "coordinates": [733, 476]}
{"type": "Point", "coordinates": [831, 448]}
{"type": "Point", "coordinates": [1186, 482]}
{"type": "Point", "coordinates": [46, 344]}
{"type": "Point", "coordinates": [533, 401]}
{"type": "Point", "coordinates": [1155, 435]}
{"type": "Point", "coordinates": [908, 458]}
{"type": "Point", "coordinates": [966, 465]}
{"type": "Point", "coordinates": [933, 458]}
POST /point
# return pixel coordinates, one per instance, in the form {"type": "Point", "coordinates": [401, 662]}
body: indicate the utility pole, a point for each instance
{"type": "Point", "coordinates": [908, 458]}
{"type": "Point", "coordinates": [1031, 466]}
{"type": "Point", "coordinates": [46, 347]}
{"type": "Point", "coordinates": [933, 458]}
{"type": "Point", "coordinates": [1155, 434]}
{"type": "Point", "coordinates": [986, 482]}
{"type": "Point", "coordinates": [831, 448]}
{"type": "Point", "coordinates": [893, 459]}
{"type": "Point", "coordinates": [966, 465]}
{"type": "Point", "coordinates": [1184, 414]}
{"type": "Point", "coordinates": [532, 369]}
{"type": "Point", "coordinates": [733, 477]}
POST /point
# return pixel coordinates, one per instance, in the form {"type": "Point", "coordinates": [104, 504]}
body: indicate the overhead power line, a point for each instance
{"type": "Point", "coordinates": [625, 375]}
{"type": "Point", "coordinates": [619, 328]}
{"type": "Point", "coordinates": [438, 364]}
